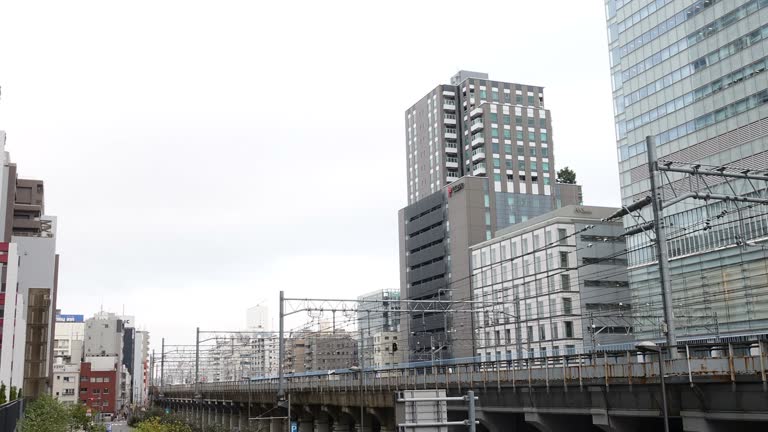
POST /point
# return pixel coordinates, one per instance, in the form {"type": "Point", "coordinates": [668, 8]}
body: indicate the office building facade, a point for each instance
{"type": "Point", "coordinates": [556, 284]}
{"type": "Point", "coordinates": [479, 158]}
{"type": "Point", "coordinates": [692, 74]}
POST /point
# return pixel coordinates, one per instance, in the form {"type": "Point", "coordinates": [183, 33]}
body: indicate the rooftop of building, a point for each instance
{"type": "Point", "coordinates": [568, 214]}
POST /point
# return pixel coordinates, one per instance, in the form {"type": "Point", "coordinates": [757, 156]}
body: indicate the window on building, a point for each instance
{"type": "Point", "coordinates": [507, 119]}
{"type": "Point", "coordinates": [565, 282]}
{"type": "Point", "coordinates": [542, 332]}
{"type": "Point", "coordinates": [494, 132]}
{"type": "Point", "coordinates": [555, 334]}
{"type": "Point", "coordinates": [508, 336]}
{"type": "Point", "coordinates": [567, 307]}
{"type": "Point", "coordinates": [507, 134]}
{"type": "Point", "coordinates": [569, 329]}
{"type": "Point", "coordinates": [563, 259]}
{"type": "Point", "coordinates": [530, 334]}
{"type": "Point", "coordinates": [498, 337]}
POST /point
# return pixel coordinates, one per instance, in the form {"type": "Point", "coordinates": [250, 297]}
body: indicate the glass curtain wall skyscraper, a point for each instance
{"type": "Point", "coordinates": [692, 74]}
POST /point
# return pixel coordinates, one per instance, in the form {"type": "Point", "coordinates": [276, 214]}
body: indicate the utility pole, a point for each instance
{"type": "Point", "coordinates": [668, 326]}
{"type": "Point", "coordinates": [281, 351]}
{"type": "Point", "coordinates": [362, 374]}
{"type": "Point", "coordinates": [162, 362]}
{"type": "Point", "coordinates": [197, 358]}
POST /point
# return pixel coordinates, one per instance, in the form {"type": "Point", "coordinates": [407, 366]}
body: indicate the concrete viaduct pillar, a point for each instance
{"type": "Point", "coordinates": [276, 425]}
{"type": "Point", "coordinates": [306, 424]}
{"type": "Point", "coordinates": [243, 418]}
{"type": "Point", "coordinates": [321, 425]}
{"type": "Point", "coordinates": [226, 418]}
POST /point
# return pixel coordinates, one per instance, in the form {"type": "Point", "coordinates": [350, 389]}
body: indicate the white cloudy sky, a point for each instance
{"type": "Point", "coordinates": [202, 156]}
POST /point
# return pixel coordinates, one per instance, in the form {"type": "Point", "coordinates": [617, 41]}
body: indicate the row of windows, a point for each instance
{"type": "Point", "coordinates": [660, 29]}
{"type": "Point", "coordinates": [643, 13]}
{"type": "Point", "coordinates": [700, 93]}
{"type": "Point", "coordinates": [697, 65]}
{"type": "Point", "coordinates": [94, 379]}
{"type": "Point", "coordinates": [700, 122]}
{"type": "Point", "coordinates": [694, 38]}
{"type": "Point", "coordinates": [532, 335]}
{"type": "Point", "coordinates": [532, 151]}
{"type": "Point", "coordinates": [508, 272]}
{"type": "Point", "coordinates": [425, 212]}
{"type": "Point", "coordinates": [507, 119]}
{"type": "Point", "coordinates": [506, 250]}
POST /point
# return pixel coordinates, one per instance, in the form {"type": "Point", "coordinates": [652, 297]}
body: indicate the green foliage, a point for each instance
{"type": "Point", "coordinates": [79, 419]}
{"type": "Point", "coordinates": [139, 417]}
{"type": "Point", "coordinates": [566, 175]}
{"type": "Point", "coordinates": [13, 393]}
{"type": "Point", "coordinates": [45, 414]}
{"type": "Point", "coordinates": [162, 424]}
{"type": "Point", "coordinates": [2, 394]}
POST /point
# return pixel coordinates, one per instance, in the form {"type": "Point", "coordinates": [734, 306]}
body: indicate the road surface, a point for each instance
{"type": "Point", "coordinates": [120, 426]}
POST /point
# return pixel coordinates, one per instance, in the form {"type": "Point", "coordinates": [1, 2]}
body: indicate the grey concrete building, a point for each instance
{"type": "Point", "coordinates": [479, 158]}
{"type": "Point", "coordinates": [327, 351]}
{"type": "Point", "coordinates": [693, 75]}
{"type": "Point", "coordinates": [378, 311]}
{"type": "Point", "coordinates": [552, 285]}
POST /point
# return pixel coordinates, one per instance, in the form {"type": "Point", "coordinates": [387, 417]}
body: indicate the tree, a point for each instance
{"type": "Point", "coordinates": [2, 394]}
{"type": "Point", "coordinates": [45, 414]}
{"type": "Point", "coordinates": [566, 175]}
{"type": "Point", "coordinates": [78, 418]}
{"type": "Point", "coordinates": [12, 396]}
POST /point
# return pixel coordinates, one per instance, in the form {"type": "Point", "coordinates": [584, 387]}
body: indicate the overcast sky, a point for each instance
{"type": "Point", "coordinates": [201, 156]}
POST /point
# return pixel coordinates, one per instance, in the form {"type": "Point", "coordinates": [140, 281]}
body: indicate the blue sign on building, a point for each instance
{"type": "Point", "coordinates": [294, 426]}
{"type": "Point", "coordinates": [70, 318]}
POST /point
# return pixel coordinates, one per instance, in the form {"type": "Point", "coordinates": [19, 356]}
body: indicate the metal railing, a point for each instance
{"type": "Point", "coordinates": [723, 362]}
{"type": "Point", "coordinates": [10, 415]}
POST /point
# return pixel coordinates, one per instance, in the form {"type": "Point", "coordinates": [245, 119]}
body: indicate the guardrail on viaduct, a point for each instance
{"type": "Point", "coordinates": [725, 384]}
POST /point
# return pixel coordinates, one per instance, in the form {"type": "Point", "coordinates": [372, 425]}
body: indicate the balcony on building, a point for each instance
{"type": "Point", "coordinates": [450, 133]}
{"type": "Point", "coordinates": [478, 169]}
{"type": "Point", "coordinates": [478, 154]}
{"type": "Point", "coordinates": [451, 162]}
{"type": "Point", "coordinates": [477, 124]}
{"type": "Point", "coordinates": [452, 176]}
{"type": "Point", "coordinates": [451, 147]}
{"type": "Point", "coordinates": [449, 105]}
{"type": "Point", "coordinates": [477, 139]}
{"type": "Point", "coordinates": [449, 93]}
{"type": "Point", "coordinates": [476, 112]}
{"type": "Point", "coordinates": [449, 119]}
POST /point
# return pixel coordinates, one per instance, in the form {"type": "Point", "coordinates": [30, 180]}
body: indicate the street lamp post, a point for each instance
{"type": "Point", "coordinates": [648, 346]}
